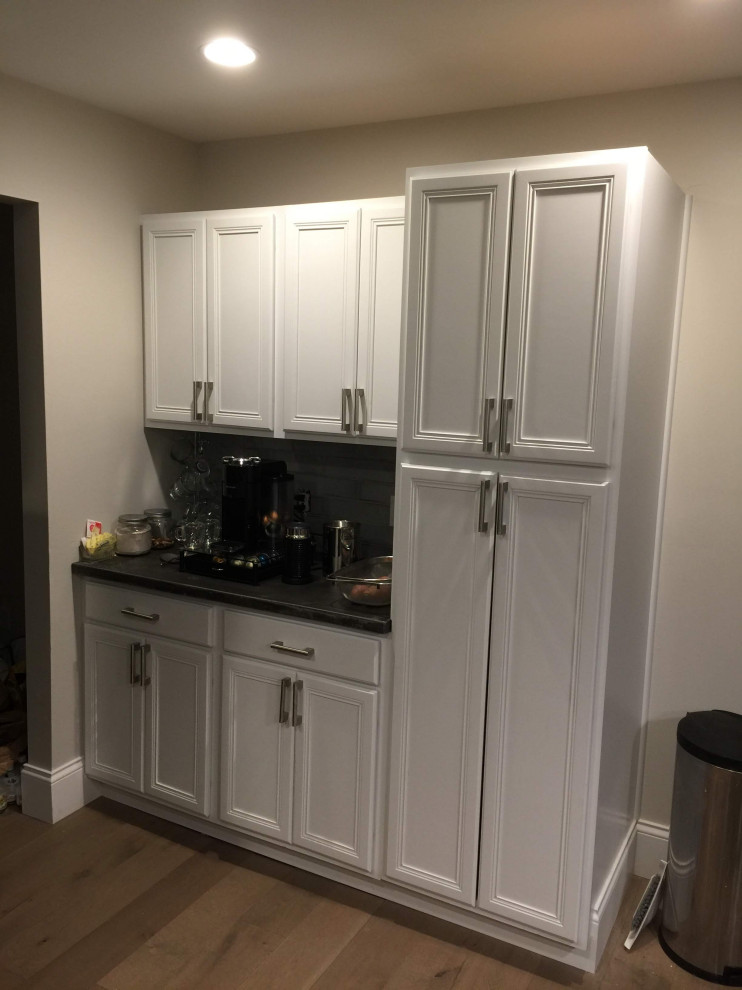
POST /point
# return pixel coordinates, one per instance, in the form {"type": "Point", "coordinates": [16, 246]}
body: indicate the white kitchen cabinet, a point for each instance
{"type": "Point", "coordinates": [176, 681]}
{"type": "Point", "coordinates": [455, 311]}
{"type": "Point", "coordinates": [240, 290]}
{"type": "Point", "coordinates": [559, 388]}
{"type": "Point", "coordinates": [522, 617]}
{"type": "Point", "coordinates": [257, 746]}
{"type": "Point", "coordinates": [147, 721]}
{"type": "Point", "coordinates": [557, 399]}
{"type": "Point", "coordinates": [342, 316]}
{"type": "Point", "coordinates": [334, 769]}
{"type": "Point", "coordinates": [299, 758]}
{"type": "Point", "coordinates": [542, 674]}
{"type": "Point", "coordinates": [442, 587]}
{"type": "Point", "coordinates": [209, 288]}
{"type": "Point", "coordinates": [113, 707]}
{"type": "Point", "coordinates": [379, 320]}
{"type": "Point", "coordinates": [147, 696]}
{"type": "Point", "coordinates": [174, 286]}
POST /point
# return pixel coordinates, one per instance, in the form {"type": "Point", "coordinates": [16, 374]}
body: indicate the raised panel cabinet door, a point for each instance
{"type": "Point", "coordinates": [176, 685]}
{"type": "Point", "coordinates": [379, 321]}
{"type": "Point", "coordinates": [335, 769]}
{"type": "Point", "coordinates": [441, 610]}
{"type": "Point", "coordinates": [113, 707]}
{"type": "Point", "coordinates": [320, 317]}
{"type": "Point", "coordinates": [257, 746]}
{"type": "Point", "coordinates": [562, 317]}
{"type": "Point", "coordinates": [174, 284]}
{"type": "Point", "coordinates": [536, 844]}
{"type": "Point", "coordinates": [458, 244]}
{"type": "Point", "coordinates": [240, 292]}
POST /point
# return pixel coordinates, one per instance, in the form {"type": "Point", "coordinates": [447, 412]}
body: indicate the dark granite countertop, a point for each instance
{"type": "Point", "coordinates": [320, 601]}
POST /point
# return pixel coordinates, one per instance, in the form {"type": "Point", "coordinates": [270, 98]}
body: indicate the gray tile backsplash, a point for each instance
{"type": "Point", "coordinates": [346, 481]}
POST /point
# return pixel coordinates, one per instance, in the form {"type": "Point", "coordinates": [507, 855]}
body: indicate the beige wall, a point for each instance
{"type": "Point", "coordinates": [696, 133]}
{"type": "Point", "coordinates": [92, 174]}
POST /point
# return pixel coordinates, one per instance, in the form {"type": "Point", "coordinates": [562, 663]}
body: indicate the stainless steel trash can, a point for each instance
{"type": "Point", "coordinates": [701, 926]}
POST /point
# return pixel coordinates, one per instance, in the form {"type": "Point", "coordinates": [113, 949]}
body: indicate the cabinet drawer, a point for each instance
{"type": "Point", "coordinates": [342, 654]}
{"type": "Point", "coordinates": [176, 619]}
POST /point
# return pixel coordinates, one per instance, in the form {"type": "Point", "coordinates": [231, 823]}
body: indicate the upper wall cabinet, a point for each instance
{"type": "Point", "coordinates": [209, 319]}
{"type": "Point", "coordinates": [556, 360]}
{"type": "Point", "coordinates": [174, 283]}
{"type": "Point", "coordinates": [455, 311]}
{"type": "Point", "coordinates": [342, 313]}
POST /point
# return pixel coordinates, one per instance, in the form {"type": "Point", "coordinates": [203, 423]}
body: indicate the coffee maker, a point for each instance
{"type": "Point", "coordinates": [257, 500]}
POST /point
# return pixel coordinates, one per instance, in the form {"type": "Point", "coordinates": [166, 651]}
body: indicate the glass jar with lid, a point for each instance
{"type": "Point", "coordinates": [161, 524]}
{"type": "Point", "coordinates": [133, 535]}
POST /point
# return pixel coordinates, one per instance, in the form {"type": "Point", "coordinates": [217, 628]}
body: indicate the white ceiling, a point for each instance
{"type": "Point", "coordinates": [327, 63]}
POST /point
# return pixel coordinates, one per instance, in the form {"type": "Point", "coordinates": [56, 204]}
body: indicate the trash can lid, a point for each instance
{"type": "Point", "coordinates": [714, 737]}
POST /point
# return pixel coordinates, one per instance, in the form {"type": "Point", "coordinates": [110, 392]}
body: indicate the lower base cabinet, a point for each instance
{"type": "Point", "coordinates": [299, 758]}
{"type": "Point", "coordinates": [147, 715]}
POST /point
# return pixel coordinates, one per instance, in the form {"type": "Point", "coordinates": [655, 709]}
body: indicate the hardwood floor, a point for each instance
{"type": "Point", "coordinates": [112, 898]}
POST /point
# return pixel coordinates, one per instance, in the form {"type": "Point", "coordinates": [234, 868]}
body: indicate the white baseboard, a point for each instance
{"type": "Point", "coordinates": [51, 795]}
{"type": "Point", "coordinates": [651, 847]}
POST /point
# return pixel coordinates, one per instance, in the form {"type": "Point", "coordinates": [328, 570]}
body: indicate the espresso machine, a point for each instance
{"type": "Point", "coordinates": [257, 507]}
{"type": "Point", "coordinates": [257, 501]}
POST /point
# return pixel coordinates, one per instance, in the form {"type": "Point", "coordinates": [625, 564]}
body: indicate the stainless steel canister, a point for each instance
{"type": "Point", "coordinates": [340, 544]}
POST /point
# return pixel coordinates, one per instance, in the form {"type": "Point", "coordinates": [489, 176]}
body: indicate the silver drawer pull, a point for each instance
{"type": "Point", "coordinates": [482, 524]}
{"type": "Point", "coordinates": [295, 650]}
{"type": "Point", "coordinates": [507, 408]}
{"type": "Point", "coordinates": [135, 663]}
{"type": "Point", "coordinates": [298, 689]}
{"type": "Point", "coordinates": [489, 405]}
{"type": "Point", "coordinates": [501, 527]}
{"type": "Point", "coordinates": [283, 707]}
{"type": "Point", "coordinates": [153, 617]}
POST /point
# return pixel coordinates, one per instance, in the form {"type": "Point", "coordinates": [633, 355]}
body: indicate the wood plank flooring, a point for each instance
{"type": "Point", "coordinates": [114, 899]}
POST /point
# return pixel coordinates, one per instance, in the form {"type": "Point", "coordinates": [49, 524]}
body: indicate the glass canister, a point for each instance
{"type": "Point", "coordinates": [161, 524]}
{"type": "Point", "coordinates": [133, 535]}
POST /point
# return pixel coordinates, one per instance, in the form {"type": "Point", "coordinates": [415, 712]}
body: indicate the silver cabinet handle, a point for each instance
{"type": "Point", "coordinates": [346, 400]}
{"type": "Point", "coordinates": [208, 416]}
{"type": "Point", "coordinates": [298, 698]}
{"type": "Point", "coordinates": [283, 708]}
{"type": "Point", "coordinates": [307, 651]}
{"type": "Point", "coordinates": [135, 663]}
{"type": "Point", "coordinates": [484, 487]}
{"type": "Point", "coordinates": [197, 417]}
{"type": "Point", "coordinates": [507, 405]}
{"type": "Point", "coordinates": [359, 425]}
{"type": "Point", "coordinates": [500, 524]}
{"type": "Point", "coordinates": [151, 617]}
{"type": "Point", "coordinates": [144, 649]}
{"type": "Point", "coordinates": [489, 405]}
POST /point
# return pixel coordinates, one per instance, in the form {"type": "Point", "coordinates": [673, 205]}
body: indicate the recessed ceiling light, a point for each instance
{"type": "Point", "coordinates": [229, 51]}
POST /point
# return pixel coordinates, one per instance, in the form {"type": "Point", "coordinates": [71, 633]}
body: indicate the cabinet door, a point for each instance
{"type": "Point", "coordinates": [320, 317]}
{"type": "Point", "coordinates": [455, 312]}
{"type": "Point", "coordinates": [174, 281]}
{"type": "Point", "coordinates": [379, 320]}
{"type": "Point", "coordinates": [565, 266]}
{"type": "Point", "coordinates": [536, 847]}
{"type": "Point", "coordinates": [440, 609]}
{"type": "Point", "coordinates": [257, 746]}
{"type": "Point", "coordinates": [335, 769]}
{"type": "Point", "coordinates": [240, 289]}
{"type": "Point", "coordinates": [113, 706]}
{"type": "Point", "coordinates": [176, 680]}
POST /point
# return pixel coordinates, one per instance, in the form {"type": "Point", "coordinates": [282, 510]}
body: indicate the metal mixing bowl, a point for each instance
{"type": "Point", "coordinates": [366, 582]}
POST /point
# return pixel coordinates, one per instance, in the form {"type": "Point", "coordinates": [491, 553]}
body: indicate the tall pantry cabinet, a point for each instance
{"type": "Point", "coordinates": [540, 316]}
